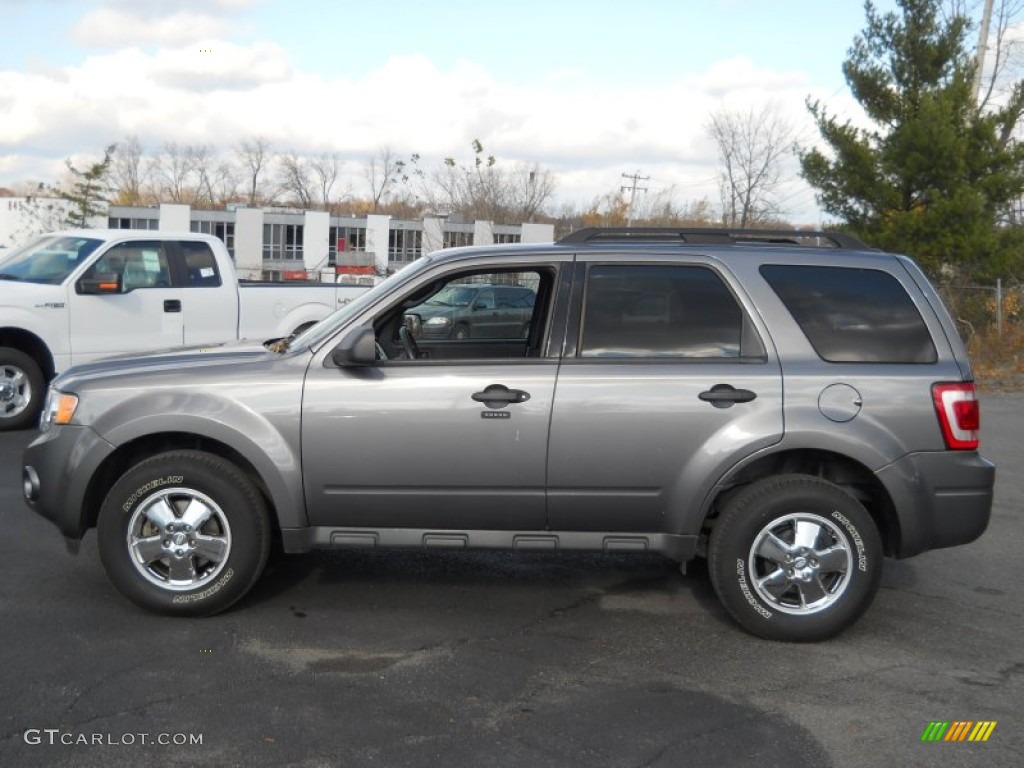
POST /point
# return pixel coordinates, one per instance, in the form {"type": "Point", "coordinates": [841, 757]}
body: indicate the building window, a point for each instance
{"type": "Point", "coordinates": [282, 242]}
{"type": "Point", "coordinates": [456, 239]}
{"type": "Point", "coordinates": [405, 245]}
{"type": "Point", "coordinates": [225, 230]}
{"type": "Point", "coordinates": [504, 238]}
{"type": "Point", "coordinates": [345, 240]}
{"type": "Point", "coordinates": [125, 222]}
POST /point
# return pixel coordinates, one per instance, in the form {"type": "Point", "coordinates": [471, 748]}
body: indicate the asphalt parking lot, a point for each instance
{"type": "Point", "coordinates": [473, 659]}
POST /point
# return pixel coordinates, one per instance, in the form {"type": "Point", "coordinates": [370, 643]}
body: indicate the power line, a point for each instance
{"type": "Point", "coordinates": [636, 179]}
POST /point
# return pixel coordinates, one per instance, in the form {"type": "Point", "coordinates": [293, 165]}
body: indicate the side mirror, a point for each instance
{"type": "Point", "coordinates": [358, 348]}
{"type": "Point", "coordinates": [99, 282]}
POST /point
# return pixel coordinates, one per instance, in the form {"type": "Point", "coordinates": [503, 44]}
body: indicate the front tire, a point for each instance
{"type": "Point", "coordinates": [795, 558]}
{"type": "Point", "coordinates": [21, 389]}
{"type": "Point", "coordinates": [184, 533]}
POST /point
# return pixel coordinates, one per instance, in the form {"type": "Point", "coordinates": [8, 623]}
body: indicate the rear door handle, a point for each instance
{"type": "Point", "coordinates": [726, 395]}
{"type": "Point", "coordinates": [498, 396]}
{"type": "Point", "coordinates": [172, 305]}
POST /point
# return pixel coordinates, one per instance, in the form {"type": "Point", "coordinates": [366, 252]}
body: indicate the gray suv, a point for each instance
{"type": "Point", "coordinates": [790, 406]}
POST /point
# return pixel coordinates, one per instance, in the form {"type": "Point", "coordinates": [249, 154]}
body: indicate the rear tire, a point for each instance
{"type": "Point", "coordinates": [184, 533]}
{"type": "Point", "coordinates": [22, 390]}
{"type": "Point", "coordinates": [795, 558]}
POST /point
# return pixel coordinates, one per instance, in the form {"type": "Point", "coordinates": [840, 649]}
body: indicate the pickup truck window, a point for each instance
{"type": "Point", "coordinates": [47, 260]}
{"type": "Point", "coordinates": [141, 264]}
{"type": "Point", "coordinates": [200, 265]}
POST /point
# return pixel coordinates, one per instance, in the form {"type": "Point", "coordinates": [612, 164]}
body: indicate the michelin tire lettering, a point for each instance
{"type": "Point", "coordinates": [745, 589]}
{"type": "Point", "coordinates": [160, 482]}
{"type": "Point", "coordinates": [862, 559]}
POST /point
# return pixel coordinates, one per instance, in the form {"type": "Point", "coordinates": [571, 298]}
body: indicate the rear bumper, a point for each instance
{"type": "Point", "coordinates": [56, 470]}
{"type": "Point", "coordinates": [942, 499]}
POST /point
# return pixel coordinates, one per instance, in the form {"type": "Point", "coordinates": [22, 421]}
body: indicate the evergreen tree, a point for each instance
{"type": "Point", "coordinates": [934, 177]}
{"type": "Point", "coordinates": [88, 190]}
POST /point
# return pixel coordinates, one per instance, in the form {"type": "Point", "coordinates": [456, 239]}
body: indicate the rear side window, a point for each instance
{"type": "Point", "coordinates": [200, 265]}
{"type": "Point", "coordinates": [647, 310]}
{"type": "Point", "coordinates": [853, 315]}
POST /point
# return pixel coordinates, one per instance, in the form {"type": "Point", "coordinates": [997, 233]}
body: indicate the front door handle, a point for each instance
{"type": "Point", "coordinates": [172, 305]}
{"type": "Point", "coordinates": [726, 395]}
{"type": "Point", "coordinates": [498, 396]}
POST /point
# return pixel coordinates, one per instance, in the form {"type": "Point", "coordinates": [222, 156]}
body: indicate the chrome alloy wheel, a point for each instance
{"type": "Point", "coordinates": [179, 539]}
{"type": "Point", "coordinates": [800, 563]}
{"type": "Point", "coordinates": [15, 391]}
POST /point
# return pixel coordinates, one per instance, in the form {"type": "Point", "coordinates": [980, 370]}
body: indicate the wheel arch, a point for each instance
{"type": "Point", "coordinates": [32, 345]}
{"type": "Point", "coordinates": [131, 453]}
{"type": "Point", "coordinates": [847, 473]}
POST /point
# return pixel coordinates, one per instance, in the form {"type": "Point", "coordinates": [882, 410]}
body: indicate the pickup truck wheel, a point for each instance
{"type": "Point", "coordinates": [795, 558]}
{"type": "Point", "coordinates": [184, 533]}
{"type": "Point", "coordinates": [21, 389]}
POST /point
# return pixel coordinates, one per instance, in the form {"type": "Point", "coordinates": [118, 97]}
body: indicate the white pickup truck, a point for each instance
{"type": "Point", "coordinates": [70, 297]}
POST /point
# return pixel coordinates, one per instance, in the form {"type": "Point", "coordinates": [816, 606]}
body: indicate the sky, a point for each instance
{"type": "Point", "coordinates": [589, 89]}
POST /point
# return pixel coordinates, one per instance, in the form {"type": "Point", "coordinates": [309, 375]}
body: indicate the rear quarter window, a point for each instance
{"type": "Point", "coordinates": [200, 265]}
{"type": "Point", "coordinates": [853, 315]}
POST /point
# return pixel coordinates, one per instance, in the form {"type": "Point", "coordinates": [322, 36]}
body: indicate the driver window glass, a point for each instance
{"type": "Point", "coordinates": [140, 265]}
{"type": "Point", "coordinates": [479, 315]}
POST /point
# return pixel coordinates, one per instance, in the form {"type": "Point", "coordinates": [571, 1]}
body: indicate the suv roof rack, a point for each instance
{"type": "Point", "coordinates": [712, 236]}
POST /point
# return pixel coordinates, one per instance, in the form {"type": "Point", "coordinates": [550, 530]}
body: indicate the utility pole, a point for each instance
{"type": "Point", "coordinates": [979, 57]}
{"type": "Point", "coordinates": [636, 178]}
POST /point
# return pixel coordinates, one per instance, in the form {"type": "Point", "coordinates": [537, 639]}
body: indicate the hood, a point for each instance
{"type": "Point", "coordinates": [167, 360]}
{"type": "Point", "coordinates": [17, 293]}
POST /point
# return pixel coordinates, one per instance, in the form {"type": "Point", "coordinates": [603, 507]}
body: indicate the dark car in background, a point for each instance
{"type": "Point", "coordinates": [473, 311]}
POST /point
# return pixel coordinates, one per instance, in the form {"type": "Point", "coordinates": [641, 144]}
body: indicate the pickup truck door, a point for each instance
{"type": "Point", "coordinates": [665, 381]}
{"type": "Point", "coordinates": [145, 316]}
{"type": "Point", "coordinates": [209, 296]}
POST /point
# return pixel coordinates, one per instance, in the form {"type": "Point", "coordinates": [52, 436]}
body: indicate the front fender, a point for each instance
{"type": "Point", "coordinates": [269, 443]}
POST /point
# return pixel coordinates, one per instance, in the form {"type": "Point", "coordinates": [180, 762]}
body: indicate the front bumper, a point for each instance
{"type": "Point", "coordinates": [57, 468]}
{"type": "Point", "coordinates": [942, 499]}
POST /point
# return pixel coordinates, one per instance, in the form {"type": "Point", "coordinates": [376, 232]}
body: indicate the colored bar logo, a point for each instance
{"type": "Point", "coordinates": [958, 730]}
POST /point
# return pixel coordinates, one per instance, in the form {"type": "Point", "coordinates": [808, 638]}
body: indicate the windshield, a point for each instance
{"type": "Point", "coordinates": [315, 335]}
{"type": "Point", "coordinates": [50, 259]}
{"type": "Point", "coordinates": [453, 296]}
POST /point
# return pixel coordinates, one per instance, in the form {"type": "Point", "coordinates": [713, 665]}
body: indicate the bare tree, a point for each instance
{"type": "Point", "coordinates": [254, 155]}
{"type": "Point", "coordinates": [294, 178]}
{"type": "Point", "coordinates": [325, 167]}
{"type": "Point", "coordinates": [128, 172]}
{"type": "Point", "coordinates": [170, 172]}
{"type": "Point", "coordinates": [201, 168]}
{"type": "Point", "coordinates": [488, 190]}
{"type": "Point", "coordinates": [224, 183]}
{"type": "Point", "coordinates": [751, 148]}
{"type": "Point", "coordinates": [386, 172]}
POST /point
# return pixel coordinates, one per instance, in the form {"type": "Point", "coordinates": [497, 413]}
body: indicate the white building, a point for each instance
{"type": "Point", "coordinates": [271, 243]}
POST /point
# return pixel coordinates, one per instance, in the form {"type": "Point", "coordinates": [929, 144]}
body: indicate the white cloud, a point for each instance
{"type": "Point", "coordinates": [110, 28]}
{"type": "Point", "coordinates": [587, 133]}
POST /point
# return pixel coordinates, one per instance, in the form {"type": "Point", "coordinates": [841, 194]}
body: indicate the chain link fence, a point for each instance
{"type": "Point", "coordinates": [991, 322]}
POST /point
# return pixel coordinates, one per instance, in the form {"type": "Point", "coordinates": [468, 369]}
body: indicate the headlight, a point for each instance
{"type": "Point", "coordinates": [439, 321]}
{"type": "Point", "coordinates": [58, 409]}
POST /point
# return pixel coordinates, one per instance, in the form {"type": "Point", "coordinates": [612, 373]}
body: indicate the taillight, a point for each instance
{"type": "Point", "coordinates": [959, 414]}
